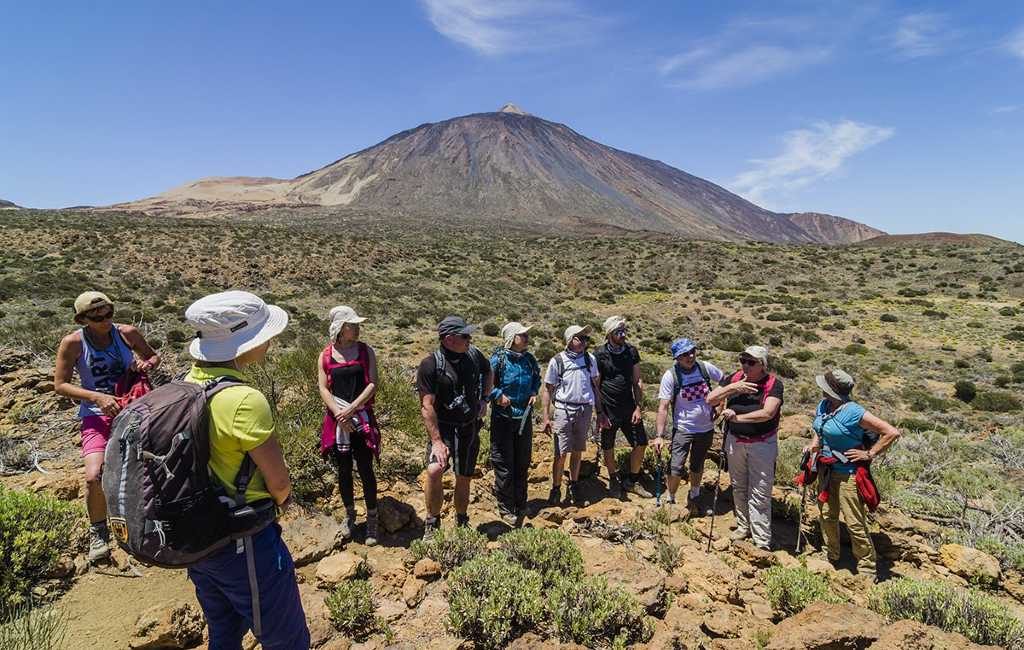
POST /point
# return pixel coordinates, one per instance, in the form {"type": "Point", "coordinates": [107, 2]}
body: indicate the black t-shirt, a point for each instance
{"type": "Point", "coordinates": [465, 374]}
{"type": "Point", "coordinates": [750, 403]}
{"type": "Point", "coordinates": [348, 382]}
{"type": "Point", "coordinates": [617, 379]}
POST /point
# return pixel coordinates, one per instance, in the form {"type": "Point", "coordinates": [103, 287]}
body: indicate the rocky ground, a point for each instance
{"type": "Point", "coordinates": [702, 600]}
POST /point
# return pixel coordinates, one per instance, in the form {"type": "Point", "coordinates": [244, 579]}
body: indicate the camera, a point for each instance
{"type": "Point", "coordinates": [460, 406]}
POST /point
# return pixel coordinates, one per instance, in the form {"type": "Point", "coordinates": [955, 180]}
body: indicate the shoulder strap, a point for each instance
{"type": "Point", "coordinates": [440, 366]}
{"type": "Point", "coordinates": [705, 374]}
{"type": "Point", "coordinates": [499, 371]}
{"type": "Point", "coordinates": [586, 361]}
{"type": "Point", "coordinates": [768, 386]}
{"type": "Point", "coordinates": [736, 376]}
{"type": "Point", "coordinates": [559, 365]}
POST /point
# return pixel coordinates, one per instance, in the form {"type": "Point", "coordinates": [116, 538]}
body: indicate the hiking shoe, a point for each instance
{"type": "Point", "coordinates": [99, 544]}
{"type": "Point", "coordinates": [461, 520]}
{"type": "Point", "coordinates": [345, 526]}
{"type": "Point", "coordinates": [576, 495]}
{"type": "Point", "coordinates": [371, 528]}
{"type": "Point", "coordinates": [508, 518]}
{"type": "Point", "coordinates": [555, 496]}
{"type": "Point", "coordinates": [739, 534]}
{"type": "Point", "coordinates": [430, 526]}
{"type": "Point", "coordinates": [639, 490]}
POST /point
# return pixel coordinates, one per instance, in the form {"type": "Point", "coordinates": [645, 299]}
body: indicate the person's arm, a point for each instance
{"type": "Point", "coordinates": [815, 444]}
{"type": "Point", "coordinates": [496, 394]}
{"type": "Point", "coordinates": [438, 449]}
{"type": "Point", "coordinates": [638, 395]}
{"type": "Point", "coordinates": [325, 392]}
{"type": "Point", "coordinates": [545, 406]}
{"type": "Point", "coordinates": [722, 394]}
{"type": "Point", "coordinates": [767, 412]}
{"type": "Point", "coordinates": [270, 460]}
{"type": "Point", "coordinates": [67, 355]}
{"type": "Point", "coordinates": [148, 358]}
{"type": "Point", "coordinates": [887, 434]}
{"type": "Point", "coordinates": [662, 422]}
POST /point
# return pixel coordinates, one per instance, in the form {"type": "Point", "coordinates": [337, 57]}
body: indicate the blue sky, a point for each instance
{"type": "Point", "coordinates": [906, 116]}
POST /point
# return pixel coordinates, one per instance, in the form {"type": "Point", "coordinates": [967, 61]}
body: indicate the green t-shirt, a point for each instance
{"type": "Point", "coordinates": [240, 420]}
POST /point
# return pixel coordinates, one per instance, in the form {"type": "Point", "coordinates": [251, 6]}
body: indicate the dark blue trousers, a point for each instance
{"type": "Point", "coordinates": [222, 587]}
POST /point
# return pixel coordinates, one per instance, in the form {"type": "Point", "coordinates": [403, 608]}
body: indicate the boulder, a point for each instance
{"type": "Point", "coordinates": [427, 569]}
{"type": "Point", "coordinates": [911, 635]}
{"type": "Point", "coordinates": [640, 578]}
{"type": "Point", "coordinates": [412, 591]}
{"type": "Point", "coordinates": [970, 563]}
{"type": "Point", "coordinates": [826, 626]}
{"type": "Point", "coordinates": [334, 568]}
{"type": "Point", "coordinates": [317, 615]}
{"type": "Point", "coordinates": [394, 515]}
{"type": "Point", "coordinates": [174, 624]}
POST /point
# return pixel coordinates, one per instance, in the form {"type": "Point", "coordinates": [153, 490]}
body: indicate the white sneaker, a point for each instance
{"type": "Point", "coordinates": [739, 534]}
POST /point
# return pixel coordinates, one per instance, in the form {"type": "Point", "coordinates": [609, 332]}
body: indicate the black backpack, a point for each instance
{"type": "Point", "coordinates": [165, 507]}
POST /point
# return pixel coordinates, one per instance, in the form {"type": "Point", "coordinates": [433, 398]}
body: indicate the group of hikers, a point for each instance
{"type": "Point", "coordinates": [585, 394]}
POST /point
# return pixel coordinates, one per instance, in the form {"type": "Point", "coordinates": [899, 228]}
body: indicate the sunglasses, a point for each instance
{"type": "Point", "coordinates": [749, 362]}
{"type": "Point", "coordinates": [582, 339]}
{"type": "Point", "coordinates": [620, 332]}
{"type": "Point", "coordinates": [691, 353]}
{"type": "Point", "coordinates": [466, 337]}
{"type": "Point", "coordinates": [99, 318]}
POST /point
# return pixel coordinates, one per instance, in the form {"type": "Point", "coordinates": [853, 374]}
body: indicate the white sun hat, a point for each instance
{"type": "Point", "coordinates": [339, 316]}
{"type": "Point", "coordinates": [231, 323]}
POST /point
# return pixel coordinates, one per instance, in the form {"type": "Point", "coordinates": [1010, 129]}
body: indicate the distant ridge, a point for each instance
{"type": "Point", "coordinates": [936, 239]}
{"type": "Point", "coordinates": [512, 168]}
{"type": "Point", "coordinates": [8, 205]}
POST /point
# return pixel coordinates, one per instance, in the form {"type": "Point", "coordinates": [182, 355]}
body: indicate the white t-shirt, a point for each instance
{"type": "Point", "coordinates": [693, 413]}
{"type": "Point", "coordinates": [575, 386]}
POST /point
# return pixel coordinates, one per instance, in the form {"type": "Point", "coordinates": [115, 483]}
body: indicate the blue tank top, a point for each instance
{"type": "Point", "coordinates": [99, 369]}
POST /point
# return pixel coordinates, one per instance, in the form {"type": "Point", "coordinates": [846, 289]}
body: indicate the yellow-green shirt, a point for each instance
{"type": "Point", "coordinates": [240, 420]}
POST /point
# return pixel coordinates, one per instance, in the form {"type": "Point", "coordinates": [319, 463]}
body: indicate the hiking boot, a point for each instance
{"type": "Point", "coordinates": [461, 520]}
{"type": "Point", "coordinates": [430, 526]}
{"type": "Point", "coordinates": [344, 533]}
{"type": "Point", "coordinates": [371, 527]}
{"type": "Point", "coordinates": [555, 496]}
{"type": "Point", "coordinates": [739, 534]}
{"type": "Point", "coordinates": [99, 543]}
{"type": "Point", "coordinates": [639, 490]}
{"type": "Point", "coordinates": [508, 518]}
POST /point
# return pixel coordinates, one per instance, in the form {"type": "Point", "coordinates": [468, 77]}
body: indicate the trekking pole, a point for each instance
{"type": "Point", "coordinates": [526, 416]}
{"type": "Point", "coordinates": [800, 519]}
{"type": "Point", "coordinates": [718, 480]}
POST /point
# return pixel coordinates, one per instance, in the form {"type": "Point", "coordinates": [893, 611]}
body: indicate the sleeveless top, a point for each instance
{"type": "Point", "coordinates": [840, 430]}
{"type": "Point", "coordinates": [99, 369]}
{"type": "Point", "coordinates": [347, 380]}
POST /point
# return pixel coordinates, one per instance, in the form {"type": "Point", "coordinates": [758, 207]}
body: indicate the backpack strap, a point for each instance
{"type": "Point", "coordinates": [705, 374]}
{"type": "Point", "coordinates": [560, 366]}
{"type": "Point", "coordinates": [499, 370]}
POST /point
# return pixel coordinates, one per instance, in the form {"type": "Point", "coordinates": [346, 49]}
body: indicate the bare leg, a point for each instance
{"type": "Point", "coordinates": [574, 465]}
{"type": "Point", "coordinates": [433, 492]}
{"type": "Point", "coordinates": [95, 501]}
{"type": "Point", "coordinates": [557, 467]}
{"type": "Point", "coordinates": [462, 484]}
{"type": "Point", "coordinates": [609, 462]}
{"type": "Point", "coordinates": [673, 485]}
{"type": "Point", "coordinates": [636, 459]}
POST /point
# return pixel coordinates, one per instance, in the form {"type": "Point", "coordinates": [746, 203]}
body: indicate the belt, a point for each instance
{"type": "Point", "coordinates": [758, 438]}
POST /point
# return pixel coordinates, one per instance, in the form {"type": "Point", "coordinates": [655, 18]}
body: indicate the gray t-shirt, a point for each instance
{"type": "Point", "coordinates": [575, 386]}
{"type": "Point", "coordinates": [693, 413]}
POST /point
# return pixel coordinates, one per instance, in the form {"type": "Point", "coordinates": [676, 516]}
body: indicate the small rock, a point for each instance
{"type": "Point", "coordinates": [174, 624]}
{"type": "Point", "coordinates": [412, 591]}
{"type": "Point", "coordinates": [427, 569]}
{"type": "Point", "coordinates": [677, 584]}
{"type": "Point", "coordinates": [824, 625]}
{"type": "Point", "coordinates": [970, 563]}
{"type": "Point", "coordinates": [719, 624]}
{"type": "Point", "coordinates": [63, 568]}
{"type": "Point", "coordinates": [911, 635]}
{"type": "Point", "coordinates": [334, 568]}
{"type": "Point", "coordinates": [394, 515]}
{"type": "Point", "coordinates": [391, 610]}
{"type": "Point", "coordinates": [720, 544]}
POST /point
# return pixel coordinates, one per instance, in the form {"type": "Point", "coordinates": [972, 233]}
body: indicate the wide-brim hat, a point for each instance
{"type": "Point", "coordinates": [613, 323]}
{"type": "Point", "coordinates": [515, 328]}
{"type": "Point", "coordinates": [576, 330]}
{"type": "Point", "coordinates": [681, 346]}
{"type": "Point", "coordinates": [230, 323]}
{"type": "Point", "coordinates": [836, 383]}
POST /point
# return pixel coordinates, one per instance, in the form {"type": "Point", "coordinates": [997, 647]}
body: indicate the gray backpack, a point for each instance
{"type": "Point", "coordinates": [164, 506]}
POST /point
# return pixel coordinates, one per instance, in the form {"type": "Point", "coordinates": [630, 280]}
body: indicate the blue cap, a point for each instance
{"type": "Point", "coordinates": [681, 346]}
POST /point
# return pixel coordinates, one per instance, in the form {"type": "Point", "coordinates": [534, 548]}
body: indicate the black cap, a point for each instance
{"type": "Point", "coordinates": [454, 325]}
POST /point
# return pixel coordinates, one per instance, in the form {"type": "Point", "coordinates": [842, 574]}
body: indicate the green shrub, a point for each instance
{"type": "Point", "coordinates": [352, 609]}
{"type": "Point", "coordinates": [980, 618]}
{"type": "Point", "coordinates": [549, 552]}
{"type": "Point", "coordinates": [787, 463]}
{"type": "Point", "coordinates": [802, 355]}
{"type": "Point", "coordinates": [856, 348]}
{"type": "Point", "coordinates": [996, 401]}
{"type": "Point", "coordinates": [728, 342]}
{"type": "Point", "coordinates": [491, 329]}
{"type": "Point", "coordinates": [783, 367]}
{"type": "Point", "coordinates": [650, 373]}
{"type": "Point", "coordinates": [791, 590]}
{"type": "Point", "coordinates": [595, 615]}
{"type": "Point", "coordinates": [32, 628]}
{"type": "Point", "coordinates": [1008, 311]}
{"type": "Point", "coordinates": [491, 600]}
{"type": "Point", "coordinates": [965, 390]}
{"type": "Point", "coordinates": [921, 401]}
{"type": "Point", "coordinates": [34, 530]}
{"type": "Point", "coordinates": [888, 318]}
{"type": "Point", "coordinates": [918, 425]}
{"type": "Point", "coordinates": [450, 547]}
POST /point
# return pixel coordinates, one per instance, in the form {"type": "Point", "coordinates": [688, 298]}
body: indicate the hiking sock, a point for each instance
{"type": "Point", "coordinates": [430, 526]}
{"type": "Point", "coordinates": [694, 493]}
{"type": "Point", "coordinates": [100, 530]}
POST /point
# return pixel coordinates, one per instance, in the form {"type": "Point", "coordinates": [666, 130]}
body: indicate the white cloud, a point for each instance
{"type": "Point", "coordinates": [1008, 108]}
{"type": "Point", "coordinates": [1015, 44]}
{"type": "Point", "coordinates": [808, 155]}
{"type": "Point", "coordinates": [495, 27]}
{"type": "Point", "coordinates": [748, 51]}
{"type": "Point", "coordinates": [922, 34]}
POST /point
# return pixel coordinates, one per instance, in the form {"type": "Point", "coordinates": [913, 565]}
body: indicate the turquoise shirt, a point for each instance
{"type": "Point", "coordinates": [840, 430]}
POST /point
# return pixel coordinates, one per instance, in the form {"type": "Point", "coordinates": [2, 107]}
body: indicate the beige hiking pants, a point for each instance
{"type": "Point", "coordinates": [844, 498]}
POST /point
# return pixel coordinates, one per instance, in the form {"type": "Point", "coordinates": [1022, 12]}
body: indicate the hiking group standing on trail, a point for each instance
{"type": "Point", "coordinates": [191, 474]}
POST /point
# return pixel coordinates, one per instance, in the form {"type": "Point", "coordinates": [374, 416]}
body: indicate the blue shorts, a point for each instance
{"type": "Point", "coordinates": [222, 588]}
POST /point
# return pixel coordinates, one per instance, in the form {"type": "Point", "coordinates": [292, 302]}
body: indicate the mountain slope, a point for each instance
{"type": "Point", "coordinates": [8, 205]}
{"type": "Point", "coordinates": [510, 166]}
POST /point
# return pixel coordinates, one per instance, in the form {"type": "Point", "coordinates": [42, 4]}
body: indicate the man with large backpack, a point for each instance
{"type": "Point", "coordinates": [618, 365]}
{"type": "Point", "coordinates": [453, 383]}
{"type": "Point", "coordinates": [683, 397]}
{"type": "Point", "coordinates": [571, 383]}
{"type": "Point", "coordinates": [516, 382]}
{"type": "Point", "coordinates": [752, 397]}
{"type": "Point", "coordinates": [249, 584]}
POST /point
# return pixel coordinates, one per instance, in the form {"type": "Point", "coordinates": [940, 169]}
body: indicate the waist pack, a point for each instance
{"type": "Point", "coordinates": [165, 508]}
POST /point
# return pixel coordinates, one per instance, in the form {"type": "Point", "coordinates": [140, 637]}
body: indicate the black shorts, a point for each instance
{"type": "Point", "coordinates": [635, 434]}
{"type": "Point", "coordinates": [463, 442]}
{"type": "Point", "coordinates": [696, 445]}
